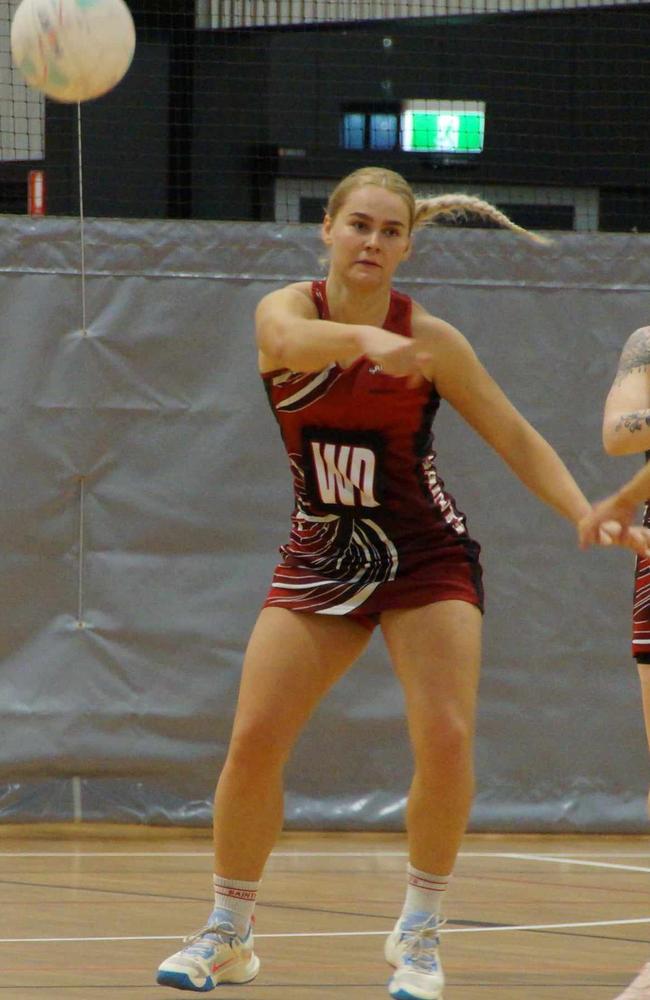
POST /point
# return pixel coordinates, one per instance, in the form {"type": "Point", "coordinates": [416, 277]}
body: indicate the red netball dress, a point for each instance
{"type": "Point", "coordinates": [641, 604]}
{"type": "Point", "coordinates": [373, 527]}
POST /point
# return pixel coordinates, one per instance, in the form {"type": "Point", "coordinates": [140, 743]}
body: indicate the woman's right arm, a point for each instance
{"type": "Point", "coordinates": [626, 421]}
{"type": "Point", "coordinates": [291, 335]}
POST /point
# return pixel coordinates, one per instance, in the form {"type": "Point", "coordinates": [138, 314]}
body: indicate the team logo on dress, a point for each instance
{"type": "Point", "coordinates": [344, 474]}
{"type": "Point", "coordinates": [375, 370]}
{"type": "Point", "coordinates": [343, 468]}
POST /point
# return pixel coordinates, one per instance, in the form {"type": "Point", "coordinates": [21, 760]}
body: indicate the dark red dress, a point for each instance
{"type": "Point", "coordinates": [373, 527]}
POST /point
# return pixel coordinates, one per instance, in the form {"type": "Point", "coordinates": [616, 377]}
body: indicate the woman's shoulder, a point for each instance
{"type": "Point", "coordinates": [425, 323]}
{"type": "Point", "coordinates": [296, 296]}
{"type": "Point", "coordinates": [302, 287]}
{"type": "Point", "coordinates": [294, 288]}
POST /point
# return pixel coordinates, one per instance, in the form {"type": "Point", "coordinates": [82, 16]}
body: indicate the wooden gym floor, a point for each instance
{"type": "Point", "coordinates": [88, 912]}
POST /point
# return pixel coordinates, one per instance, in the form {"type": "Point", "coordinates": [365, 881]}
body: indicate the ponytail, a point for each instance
{"type": "Point", "coordinates": [441, 210]}
{"type": "Point", "coordinates": [464, 209]}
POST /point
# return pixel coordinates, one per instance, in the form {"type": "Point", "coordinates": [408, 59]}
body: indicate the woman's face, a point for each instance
{"type": "Point", "coordinates": [368, 237]}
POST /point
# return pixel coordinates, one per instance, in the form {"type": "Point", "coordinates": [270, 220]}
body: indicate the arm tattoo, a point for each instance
{"type": "Point", "coordinates": [635, 355]}
{"type": "Point", "coordinates": [633, 421]}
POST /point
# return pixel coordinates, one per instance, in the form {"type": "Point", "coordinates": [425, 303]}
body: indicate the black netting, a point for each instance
{"type": "Point", "coordinates": [249, 111]}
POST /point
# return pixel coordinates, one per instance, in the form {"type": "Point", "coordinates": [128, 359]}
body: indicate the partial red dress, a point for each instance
{"type": "Point", "coordinates": [641, 605]}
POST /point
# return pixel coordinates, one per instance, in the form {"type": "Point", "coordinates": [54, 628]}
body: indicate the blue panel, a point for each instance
{"type": "Point", "coordinates": [383, 131]}
{"type": "Point", "coordinates": [353, 131]}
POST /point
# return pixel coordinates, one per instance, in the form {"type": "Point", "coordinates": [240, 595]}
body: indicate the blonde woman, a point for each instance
{"type": "Point", "coordinates": [354, 372]}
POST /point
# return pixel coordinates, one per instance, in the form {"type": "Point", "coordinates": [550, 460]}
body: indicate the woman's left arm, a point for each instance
{"type": "Point", "coordinates": [461, 379]}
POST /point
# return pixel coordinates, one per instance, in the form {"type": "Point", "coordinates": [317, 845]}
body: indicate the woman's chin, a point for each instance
{"type": "Point", "coordinates": [366, 275]}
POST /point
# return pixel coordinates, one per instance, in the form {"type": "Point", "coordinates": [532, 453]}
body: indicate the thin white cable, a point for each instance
{"type": "Point", "coordinates": [76, 799]}
{"type": "Point", "coordinates": [80, 570]}
{"type": "Point", "coordinates": [82, 233]}
{"type": "Point", "coordinates": [82, 241]}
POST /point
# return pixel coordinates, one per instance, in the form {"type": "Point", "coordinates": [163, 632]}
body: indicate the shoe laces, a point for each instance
{"type": "Point", "coordinates": [421, 944]}
{"type": "Point", "coordinates": [202, 942]}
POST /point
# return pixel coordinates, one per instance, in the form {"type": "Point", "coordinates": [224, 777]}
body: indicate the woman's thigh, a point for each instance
{"type": "Point", "coordinates": [436, 651]}
{"type": "Point", "coordinates": [291, 661]}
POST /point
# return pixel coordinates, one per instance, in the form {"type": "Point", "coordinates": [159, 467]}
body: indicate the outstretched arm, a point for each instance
{"type": "Point", "coordinates": [291, 335]}
{"type": "Point", "coordinates": [463, 381]}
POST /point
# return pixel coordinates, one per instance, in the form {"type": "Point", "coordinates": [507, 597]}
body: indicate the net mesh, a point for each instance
{"type": "Point", "coordinates": [251, 110]}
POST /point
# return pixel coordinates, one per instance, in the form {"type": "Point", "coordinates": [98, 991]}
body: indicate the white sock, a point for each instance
{"type": "Point", "coordinates": [425, 892]}
{"type": "Point", "coordinates": [237, 898]}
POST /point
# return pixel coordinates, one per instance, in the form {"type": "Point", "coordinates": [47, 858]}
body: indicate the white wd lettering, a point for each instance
{"type": "Point", "coordinates": [345, 474]}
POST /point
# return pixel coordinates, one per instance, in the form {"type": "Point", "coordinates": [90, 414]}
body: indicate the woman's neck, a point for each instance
{"type": "Point", "coordinates": [354, 305]}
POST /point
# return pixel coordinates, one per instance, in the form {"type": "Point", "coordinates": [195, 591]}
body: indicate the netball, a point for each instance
{"type": "Point", "coordinates": [72, 50]}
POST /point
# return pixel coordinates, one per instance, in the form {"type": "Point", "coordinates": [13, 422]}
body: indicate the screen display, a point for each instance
{"type": "Point", "coordinates": [428, 126]}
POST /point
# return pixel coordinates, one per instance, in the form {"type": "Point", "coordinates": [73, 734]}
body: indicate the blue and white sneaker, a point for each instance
{"type": "Point", "coordinates": [214, 955]}
{"type": "Point", "coordinates": [412, 948]}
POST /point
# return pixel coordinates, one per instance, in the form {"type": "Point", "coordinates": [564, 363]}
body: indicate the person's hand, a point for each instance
{"type": "Point", "coordinates": [634, 537]}
{"type": "Point", "coordinates": [398, 356]}
{"type": "Point", "coordinates": [610, 523]}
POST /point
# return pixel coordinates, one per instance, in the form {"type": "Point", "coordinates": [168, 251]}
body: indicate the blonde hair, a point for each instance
{"type": "Point", "coordinates": [440, 210]}
{"type": "Point", "coordinates": [378, 177]}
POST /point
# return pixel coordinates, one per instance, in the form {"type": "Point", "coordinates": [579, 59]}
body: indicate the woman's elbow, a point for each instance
{"type": "Point", "coordinates": [619, 444]}
{"type": "Point", "coordinates": [271, 341]}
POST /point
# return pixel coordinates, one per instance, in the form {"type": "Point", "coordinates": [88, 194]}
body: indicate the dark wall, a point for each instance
{"type": "Point", "coordinates": [567, 97]}
{"type": "Point", "coordinates": [230, 134]}
{"type": "Point", "coordinates": [194, 129]}
{"type": "Point", "coordinates": [126, 145]}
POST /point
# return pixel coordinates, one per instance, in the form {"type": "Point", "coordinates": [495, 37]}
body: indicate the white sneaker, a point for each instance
{"type": "Point", "coordinates": [213, 955]}
{"type": "Point", "coordinates": [412, 947]}
{"type": "Point", "coordinates": [639, 988]}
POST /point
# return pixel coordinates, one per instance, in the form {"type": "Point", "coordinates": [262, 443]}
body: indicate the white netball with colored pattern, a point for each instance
{"type": "Point", "coordinates": [72, 50]}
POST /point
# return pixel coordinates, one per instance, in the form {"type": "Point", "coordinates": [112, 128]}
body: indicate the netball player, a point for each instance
{"type": "Point", "coordinates": [626, 430]}
{"type": "Point", "coordinates": [354, 373]}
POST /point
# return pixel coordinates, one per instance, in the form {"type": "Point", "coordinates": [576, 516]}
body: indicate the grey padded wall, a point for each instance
{"type": "Point", "coordinates": [145, 492]}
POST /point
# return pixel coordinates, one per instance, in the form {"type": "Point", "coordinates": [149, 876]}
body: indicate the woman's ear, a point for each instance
{"type": "Point", "coordinates": [326, 230]}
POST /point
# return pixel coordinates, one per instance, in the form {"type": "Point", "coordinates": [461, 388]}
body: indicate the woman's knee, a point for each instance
{"type": "Point", "coordinates": [258, 747]}
{"type": "Point", "coordinates": [445, 738]}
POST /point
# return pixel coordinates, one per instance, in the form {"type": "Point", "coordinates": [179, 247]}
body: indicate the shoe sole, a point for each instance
{"type": "Point", "coordinates": [181, 981]}
{"type": "Point", "coordinates": [402, 994]}
{"type": "Point", "coordinates": [406, 995]}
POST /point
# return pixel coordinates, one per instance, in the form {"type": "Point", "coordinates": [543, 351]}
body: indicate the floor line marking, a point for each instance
{"type": "Point", "coordinates": [506, 928]}
{"type": "Point", "coordinates": [577, 861]}
{"type": "Point", "coordinates": [557, 857]}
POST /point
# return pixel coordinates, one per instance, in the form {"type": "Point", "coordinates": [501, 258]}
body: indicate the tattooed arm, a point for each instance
{"type": "Point", "coordinates": [626, 423]}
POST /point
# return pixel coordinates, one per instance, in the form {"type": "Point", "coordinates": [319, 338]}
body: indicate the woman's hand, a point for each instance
{"type": "Point", "coordinates": [401, 357]}
{"type": "Point", "coordinates": [610, 523]}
